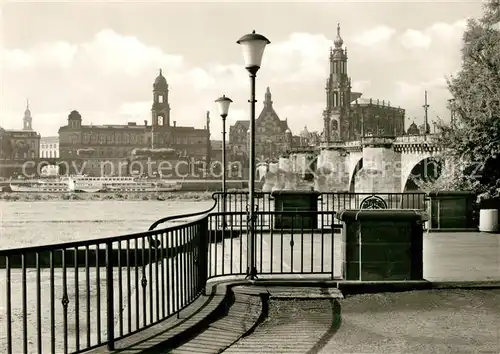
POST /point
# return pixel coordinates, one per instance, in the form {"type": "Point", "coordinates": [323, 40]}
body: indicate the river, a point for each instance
{"type": "Point", "coordinates": [25, 224]}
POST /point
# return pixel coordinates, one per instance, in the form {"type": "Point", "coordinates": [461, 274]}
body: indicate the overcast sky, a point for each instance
{"type": "Point", "coordinates": [102, 58]}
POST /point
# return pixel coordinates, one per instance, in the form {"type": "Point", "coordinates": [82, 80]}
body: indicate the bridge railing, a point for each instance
{"type": "Point", "coordinates": [71, 297]}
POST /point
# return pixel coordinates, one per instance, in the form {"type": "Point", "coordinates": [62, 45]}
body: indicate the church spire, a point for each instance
{"type": "Point", "coordinates": [27, 119]}
{"type": "Point", "coordinates": [267, 99]}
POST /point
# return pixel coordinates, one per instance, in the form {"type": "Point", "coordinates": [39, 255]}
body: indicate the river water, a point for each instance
{"type": "Point", "coordinates": [25, 224]}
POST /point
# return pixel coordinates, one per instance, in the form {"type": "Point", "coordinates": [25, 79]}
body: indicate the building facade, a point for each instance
{"type": "Point", "coordinates": [23, 144]}
{"type": "Point", "coordinates": [5, 151]}
{"type": "Point", "coordinates": [112, 145]}
{"type": "Point", "coordinates": [347, 116]}
{"type": "Point", "coordinates": [272, 136]}
{"type": "Point", "coordinates": [49, 147]}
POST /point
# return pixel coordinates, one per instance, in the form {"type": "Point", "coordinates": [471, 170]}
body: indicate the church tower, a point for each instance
{"type": "Point", "coordinates": [160, 112]}
{"type": "Point", "coordinates": [27, 119]}
{"type": "Point", "coordinates": [338, 94]}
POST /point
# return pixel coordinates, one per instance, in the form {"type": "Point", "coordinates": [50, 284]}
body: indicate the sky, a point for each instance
{"type": "Point", "coordinates": [101, 58]}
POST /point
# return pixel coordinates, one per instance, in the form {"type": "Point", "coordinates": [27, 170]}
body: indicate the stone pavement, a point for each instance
{"type": "Point", "coordinates": [424, 321]}
{"type": "Point", "coordinates": [461, 256]}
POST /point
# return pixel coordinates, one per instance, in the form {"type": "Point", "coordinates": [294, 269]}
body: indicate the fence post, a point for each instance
{"type": "Point", "coordinates": [203, 253]}
{"type": "Point", "coordinates": [110, 307]}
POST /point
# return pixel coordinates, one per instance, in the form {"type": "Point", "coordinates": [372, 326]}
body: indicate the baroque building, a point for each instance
{"type": "Point", "coordinates": [272, 136]}
{"type": "Point", "coordinates": [49, 147]}
{"type": "Point", "coordinates": [349, 117]}
{"type": "Point", "coordinates": [113, 144]}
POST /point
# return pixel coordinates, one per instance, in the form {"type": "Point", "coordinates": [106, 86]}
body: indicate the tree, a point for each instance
{"type": "Point", "coordinates": [473, 138]}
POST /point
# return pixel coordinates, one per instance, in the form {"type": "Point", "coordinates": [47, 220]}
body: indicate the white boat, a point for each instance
{"type": "Point", "coordinates": [142, 186]}
{"type": "Point", "coordinates": [122, 184]}
{"type": "Point", "coordinates": [41, 186]}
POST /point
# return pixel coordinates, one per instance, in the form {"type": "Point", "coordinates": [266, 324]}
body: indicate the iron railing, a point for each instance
{"type": "Point", "coordinates": [72, 297]}
{"type": "Point", "coordinates": [287, 243]}
{"type": "Point", "coordinates": [330, 203]}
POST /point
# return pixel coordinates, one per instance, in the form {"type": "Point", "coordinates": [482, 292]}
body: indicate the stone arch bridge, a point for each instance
{"type": "Point", "coordinates": [374, 164]}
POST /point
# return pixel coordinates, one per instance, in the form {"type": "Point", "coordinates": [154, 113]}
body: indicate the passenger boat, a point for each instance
{"type": "Point", "coordinates": [142, 186]}
{"type": "Point", "coordinates": [41, 186]}
{"type": "Point", "coordinates": [122, 184]}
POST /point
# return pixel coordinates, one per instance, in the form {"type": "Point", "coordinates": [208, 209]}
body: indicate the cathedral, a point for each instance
{"type": "Point", "coordinates": [273, 137]}
{"type": "Point", "coordinates": [347, 116]}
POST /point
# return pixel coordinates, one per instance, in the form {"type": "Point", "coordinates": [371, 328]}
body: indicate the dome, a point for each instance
{"type": "Point", "coordinates": [413, 129]}
{"type": "Point", "coordinates": [74, 115]}
{"type": "Point", "coordinates": [288, 131]}
{"type": "Point", "coordinates": [338, 40]}
{"type": "Point", "coordinates": [160, 82]}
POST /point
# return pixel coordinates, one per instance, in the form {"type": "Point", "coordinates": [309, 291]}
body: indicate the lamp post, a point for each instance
{"type": "Point", "coordinates": [223, 103]}
{"type": "Point", "coordinates": [253, 46]}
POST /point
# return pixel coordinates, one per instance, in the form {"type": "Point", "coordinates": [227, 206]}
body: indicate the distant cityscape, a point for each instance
{"type": "Point", "coordinates": [346, 117]}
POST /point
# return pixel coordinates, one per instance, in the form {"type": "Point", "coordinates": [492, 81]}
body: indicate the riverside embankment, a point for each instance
{"type": "Point", "coordinates": [31, 197]}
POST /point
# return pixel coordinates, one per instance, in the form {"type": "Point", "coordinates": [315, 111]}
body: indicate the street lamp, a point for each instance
{"type": "Point", "coordinates": [253, 46]}
{"type": "Point", "coordinates": [223, 103]}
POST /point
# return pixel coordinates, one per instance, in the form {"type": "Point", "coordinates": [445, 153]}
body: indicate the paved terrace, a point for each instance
{"type": "Point", "coordinates": [231, 318]}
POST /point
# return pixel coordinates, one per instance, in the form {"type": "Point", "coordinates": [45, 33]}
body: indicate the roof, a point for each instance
{"type": "Point", "coordinates": [47, 139]}
{"type": "Point", "coordinates": [373, 102]}
{"type": "Point", "coordinates": [245, 123]}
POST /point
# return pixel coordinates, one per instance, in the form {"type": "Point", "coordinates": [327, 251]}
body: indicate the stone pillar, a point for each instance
{"type": "Point", "coordinates": [382, 245]}
{"type": "Point", "coordinates": [381, 172]}
{"type": "Point", "coordinates": [332, 174]}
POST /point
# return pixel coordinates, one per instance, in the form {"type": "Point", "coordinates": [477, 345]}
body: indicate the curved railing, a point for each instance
{"type": "Point", "coordinates": [71, 297]}
{"type": "Point", "coordinates": [184, 216]}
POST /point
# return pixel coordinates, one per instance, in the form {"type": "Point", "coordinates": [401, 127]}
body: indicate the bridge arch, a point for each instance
{"type": "Point", "coordinates": [352, 174]}
{"type": "Point", "coordinates": [425, 169]}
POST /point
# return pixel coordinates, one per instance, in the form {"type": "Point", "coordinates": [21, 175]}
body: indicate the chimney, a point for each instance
{"type": "Point", "coordinates": [175, 123]}
{"type": "Point", "coordinates": [145, 123]}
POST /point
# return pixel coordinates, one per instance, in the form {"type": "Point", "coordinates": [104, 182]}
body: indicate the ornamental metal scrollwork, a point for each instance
{"type": "Point", "coordinates": [373, 202]}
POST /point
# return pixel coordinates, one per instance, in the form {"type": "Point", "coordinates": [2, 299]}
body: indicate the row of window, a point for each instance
{"type": "Point", "coordinates": [49, 146]}
{"type": "Point", "coordinates": [50, 153]}
{"type": "Point", "coordinates": [31, 143]}
{"type": "Point", "coordinates": [133, 139]}
{"type": "Point", "coordinates": [122, 153]}
{"type": "Point", "coordinates": [24, 155]}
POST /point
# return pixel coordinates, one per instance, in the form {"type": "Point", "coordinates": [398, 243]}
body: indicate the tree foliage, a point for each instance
{"type": "Point", "coordinates": [473, 138]}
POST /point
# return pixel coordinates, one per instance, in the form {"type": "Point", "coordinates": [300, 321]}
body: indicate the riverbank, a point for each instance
{"type": "Point", "coordinates": [153, 196]}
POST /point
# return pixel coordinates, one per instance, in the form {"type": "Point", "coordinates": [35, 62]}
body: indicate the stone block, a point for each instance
{"type": "Point", "coordinates": [382, 244]}
{"type": "Point", "coordinates": [296, 201]}
{"type": "Point", "coordinates": [452, 210]}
